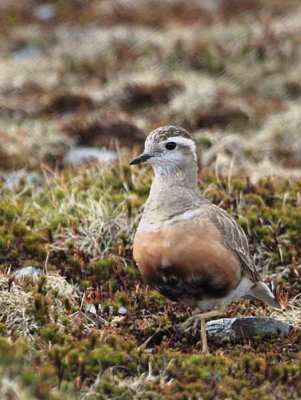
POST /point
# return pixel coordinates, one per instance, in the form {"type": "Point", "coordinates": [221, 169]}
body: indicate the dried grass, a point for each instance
{"type": "Point", "coordinates": [102, 225]}
{"type": "Point", "coordinates": [280, 137]}
{"type": "Point", "coordinates": [13, 306]}
{"type": "Point", "coordinates": [10, 389]}
{"type": "Point", "coordinates": [291, 315]}
{"type": "Point", "coordinates": [17, 303]}
{"type": "Point", "coordinates": [138, 387]}
{"type": "Point", "coordinates": [31, 143]}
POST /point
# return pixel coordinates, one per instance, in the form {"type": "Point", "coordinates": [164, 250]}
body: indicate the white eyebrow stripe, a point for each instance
{"type": "Point", "coordinates": [184, 141]}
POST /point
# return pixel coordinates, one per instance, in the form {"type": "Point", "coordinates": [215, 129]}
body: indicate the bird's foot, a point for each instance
{"type": "Point", "coordinates": [191, 323]}
{"type": "Point", "coordinates": [194, 321]}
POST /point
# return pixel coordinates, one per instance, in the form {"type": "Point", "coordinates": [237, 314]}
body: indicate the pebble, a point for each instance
{"type": "Point", "coordinates": [90, 308]}
{"type": "Point", "coordinates": [27, 52]}
{"type": "Point", "coordinates": [122, 311]}
{"type": "Point", "coordinates": [28, 271]}
{"type": "Point", "coordinates": [45, 12]}
{"type": "Point", "coordinates": [12, 180]}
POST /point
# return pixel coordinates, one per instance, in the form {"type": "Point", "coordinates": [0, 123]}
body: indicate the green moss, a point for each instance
{"type": "Point", "coordinates": [3, 243]}
{"type": "Point", "coordinates": [102, 268]}
{"type": "Point", "coordinates": [41, 308]}
{"type": "Point", "coordinates": [84, 284]}
{"type": "Point", "coordinates": [152, 298]}
{"type": "Point", "coordinates": [254, 199]}
{"type": "Point", "coordinates": [8, 211]}
{"type": "Point", "coordinates": [53, 334]}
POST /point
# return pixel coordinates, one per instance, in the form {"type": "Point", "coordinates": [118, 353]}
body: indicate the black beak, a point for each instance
{"type": "Point", "coordinates": [140, 159]}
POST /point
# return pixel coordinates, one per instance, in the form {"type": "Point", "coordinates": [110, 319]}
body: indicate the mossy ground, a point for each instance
{"type": "Point", "coordinates": [60, 346]}
{"type": "Point", "coordinates": [101, 72]}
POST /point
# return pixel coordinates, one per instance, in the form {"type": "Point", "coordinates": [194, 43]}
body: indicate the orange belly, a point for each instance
{"type": "Point", "coordinates": [189, 257]}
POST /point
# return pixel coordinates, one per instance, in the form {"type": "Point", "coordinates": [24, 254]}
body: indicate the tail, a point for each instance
{"type": "Point", "coordinates": [260, 291]}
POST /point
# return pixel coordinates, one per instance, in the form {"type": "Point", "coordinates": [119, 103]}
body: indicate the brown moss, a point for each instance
{"type": "Point", "coordinates": [68, 102]}
{"type": "Point", "coordinates": [136, 96]}
{"type": "Point", "coordinates": [103, 131]}
{"type": "Point", "coordinates": [221, 115]}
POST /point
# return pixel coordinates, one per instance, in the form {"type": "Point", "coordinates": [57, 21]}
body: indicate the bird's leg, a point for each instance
{"type": "Point", "coordinates": [194, 321]}
{"type": "Point", "coordinates": [204, 337]}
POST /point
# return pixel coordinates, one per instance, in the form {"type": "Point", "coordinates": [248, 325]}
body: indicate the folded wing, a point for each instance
{"type": "Point", "coordinates": [235, 240]}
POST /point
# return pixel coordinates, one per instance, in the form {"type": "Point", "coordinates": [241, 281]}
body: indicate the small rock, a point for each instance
{"type": "Point", "coordinates": [27, 52]}
{"type": "Point", "coordinates": [45, 12]}
{"type": "Point", "coordinates": [81, 155]}
{"type": "Point", "coordinates": [90, 308]}
{"type": "Point", "coordinates": [246, 328]}
{"type": "Point", "coordinates": [26, 271]}
{"type": "Point", "coordinates": [14, 179]}
{"type": "Point", "coordinates": [122, 311]}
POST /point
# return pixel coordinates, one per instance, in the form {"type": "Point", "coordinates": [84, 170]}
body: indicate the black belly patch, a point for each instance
{"type": "Point", "coordinates": [181, 287]}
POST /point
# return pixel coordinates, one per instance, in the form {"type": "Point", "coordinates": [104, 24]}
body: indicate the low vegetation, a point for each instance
{"type": "Point", "coordinates": [85, 324]}
{"type": "Point", "coordinates": [76, 320]}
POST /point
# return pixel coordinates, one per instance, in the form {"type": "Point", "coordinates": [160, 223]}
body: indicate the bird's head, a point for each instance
{"type": "Point", "coordinates": [168, 149]}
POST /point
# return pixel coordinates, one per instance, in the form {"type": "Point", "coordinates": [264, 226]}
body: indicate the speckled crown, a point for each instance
{"type": "Point", "coordinates": [163, 133]}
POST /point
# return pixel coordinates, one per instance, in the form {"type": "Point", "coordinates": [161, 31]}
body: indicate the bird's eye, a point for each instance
{"type": "Point", "coordinates": [170, 145]}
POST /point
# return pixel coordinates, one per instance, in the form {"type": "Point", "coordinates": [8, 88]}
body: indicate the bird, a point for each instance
{"type": "Point", "coordinates": [189, 249]}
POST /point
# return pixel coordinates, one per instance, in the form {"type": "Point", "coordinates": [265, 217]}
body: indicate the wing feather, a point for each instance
{"type": "Point", "coordinates": [234, 239]}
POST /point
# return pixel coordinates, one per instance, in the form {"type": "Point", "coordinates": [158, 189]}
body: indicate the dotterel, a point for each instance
{"type": "Point", "coordinates": [189, 249]}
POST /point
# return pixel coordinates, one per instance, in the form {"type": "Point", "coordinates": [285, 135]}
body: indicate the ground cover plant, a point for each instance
{"type": "Point", "coordinates": [88, 326]}
{"type": "Point", "coordinates": [76, 320]}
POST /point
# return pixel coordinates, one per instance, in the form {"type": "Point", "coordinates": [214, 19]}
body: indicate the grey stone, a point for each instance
{"type": "Point", "coordinates": [45, 12]}
{"type": "Point", "coordinates": [28, 271]}
{"type": "Point", "coordinates": [246, 328]}
{"type": "Point", "coordinates": [27, 52]}
{"type": "Point", "coordinates": [12, 180]}
{"type": "Point", "coordinates": [90, 308]}
{"type": "Point", "coordinates": [80, 155]}
{"type": "Point", "coordinates": [122, 311]}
